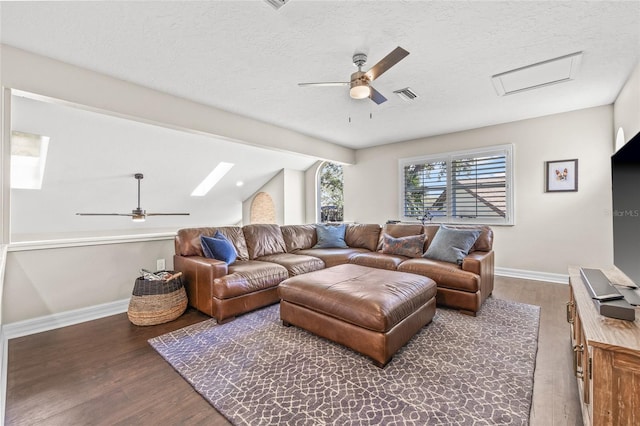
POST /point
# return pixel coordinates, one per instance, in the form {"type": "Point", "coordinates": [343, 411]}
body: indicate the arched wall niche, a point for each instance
{"type": "Point", "coordinates": [263, 210]}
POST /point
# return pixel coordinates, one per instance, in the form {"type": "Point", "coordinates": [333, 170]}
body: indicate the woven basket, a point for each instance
{"type": "Point", "coordinates": [156, 302]}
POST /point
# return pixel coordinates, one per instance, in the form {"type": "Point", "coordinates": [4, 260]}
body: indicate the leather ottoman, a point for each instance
{"type": "Point", "coordinates": [372, 311]}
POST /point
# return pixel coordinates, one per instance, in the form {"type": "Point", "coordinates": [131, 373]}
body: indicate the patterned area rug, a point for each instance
{"type": "Point", "coordinates": [457, 370]}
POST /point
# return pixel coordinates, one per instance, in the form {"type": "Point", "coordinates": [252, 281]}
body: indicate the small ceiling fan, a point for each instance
{"type": "Point", "coordinates": [360, 81]}
{"type": "Point", "coordinates": [137, 214]}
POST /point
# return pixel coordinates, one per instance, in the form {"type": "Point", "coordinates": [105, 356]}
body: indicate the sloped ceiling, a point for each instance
{"type": "Point", "coordinates": [247, 58]}
{"type": "Point", "coordinates": [90, 165]}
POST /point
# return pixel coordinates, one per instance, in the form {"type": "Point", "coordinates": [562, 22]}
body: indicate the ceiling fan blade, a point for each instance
{"type": "Point", "coordinates": [376, 96]}
{"type": "Point", "coordinates": [387, 62]}
{"type": "Point", "coordinates": [137, 214]}
{"type": "Point", "coordinates": [104, 214]}
{"type": "Point", "coordinates": [327, 84]}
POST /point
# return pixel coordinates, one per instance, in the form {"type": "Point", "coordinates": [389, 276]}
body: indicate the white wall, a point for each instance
{"type": "Point", "coordinates": [553, 230]}
{"type": "Point", "coordinates": [50, 281]}
{"type": "Point", "coordinates": [294, 192]}
{"type": "Point", "coordinates": [626, 109]}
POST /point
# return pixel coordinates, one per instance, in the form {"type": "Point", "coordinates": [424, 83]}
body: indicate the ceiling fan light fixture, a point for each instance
{"type": "Point", "coordinates": [360, 82]}
{"type": "Point", "coordinates": [360, 92]}
{"type": "Point", "coordinates": [138, 218]}
{"type": "Point", "coordinates": [138, 215]}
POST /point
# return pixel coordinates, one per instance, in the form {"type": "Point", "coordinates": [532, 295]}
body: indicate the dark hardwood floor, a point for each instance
{"type": "Point", "coordinates": [105, 372]}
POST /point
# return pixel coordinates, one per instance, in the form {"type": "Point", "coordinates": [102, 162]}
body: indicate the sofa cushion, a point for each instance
{"type": "Point", "coordinates": [299, 237]}
{"type": "Point", "coordinates": [445, 274]}
{"type": "Point", "coordinates": [187, 241]}
{"type": "Point", "coordinates": [236, 236]}
{"type": "Point", "coordinates": [451, 245]}
{"type": "Point", "coordinates": [410, 246]}
{"type": "Point", "coordinates": [330, 236]}
{"type": "Point", "coordinates": [218, 247]}
{"type": "Point", "coordinates": [263, 239]}
{"type": "Point", "coordinates": [362, 235]}
{"type": "Point", "coordinates": [296, 264]}
{"type": "Point", "coordinates": [378, 260]}
{"type": "Point", "coordinates": [248, 276]}
{"type": "Point", "coordinates": [333, 256]}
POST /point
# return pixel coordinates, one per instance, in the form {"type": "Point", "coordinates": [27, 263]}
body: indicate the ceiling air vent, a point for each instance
{"type": "Point", "coordinates": [277, 4]}
{"type": "Point", "coordinates": [406, 94]}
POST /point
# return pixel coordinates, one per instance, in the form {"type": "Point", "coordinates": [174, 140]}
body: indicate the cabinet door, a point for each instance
{"type": "Point", "coordinates": [616, 387]}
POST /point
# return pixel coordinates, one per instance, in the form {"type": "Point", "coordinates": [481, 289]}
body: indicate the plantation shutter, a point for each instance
{"type": "Point", "coordinates": [479, 187]}
{"type": "Point", "coordinates": [425, 189]}
{"type": "Point", "coordinates": [461, 187]}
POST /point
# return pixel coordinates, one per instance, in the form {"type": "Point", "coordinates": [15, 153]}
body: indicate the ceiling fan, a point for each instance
{"type": "Point", "coordinates": [360, 82]}
{"type": "Point", "coordinates": [137, 214]}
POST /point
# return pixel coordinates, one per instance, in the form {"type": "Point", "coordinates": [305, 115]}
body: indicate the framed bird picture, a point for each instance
{"type": "Point", "coordinates": [561, 176]}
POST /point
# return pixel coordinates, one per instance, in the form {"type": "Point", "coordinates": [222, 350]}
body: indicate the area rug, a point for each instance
{"type": "Point", "coordinates": [457, 370]}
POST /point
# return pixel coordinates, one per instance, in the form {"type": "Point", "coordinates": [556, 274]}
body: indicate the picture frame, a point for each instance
{"type": "Point", "coordinates": [561, 175]}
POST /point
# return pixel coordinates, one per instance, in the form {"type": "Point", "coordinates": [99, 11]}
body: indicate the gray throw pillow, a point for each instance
{"type": "Point", "coordinates": [451, 245]}
{"type": "Point", "coordinates": [331, 236]}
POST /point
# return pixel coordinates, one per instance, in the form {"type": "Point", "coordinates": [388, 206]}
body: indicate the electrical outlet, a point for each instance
{"type": "Point", "coordinates": [160, 265]}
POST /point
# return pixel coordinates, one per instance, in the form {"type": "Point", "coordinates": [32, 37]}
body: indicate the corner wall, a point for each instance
{"type": "Point", "coordinates": [552, 230]}
{"type": "Point", "coordinates": [626, 109]}
{"type": "Point", "coordinates": [312, 194]}
{"type": "Point", "coordinates": [287, 190]}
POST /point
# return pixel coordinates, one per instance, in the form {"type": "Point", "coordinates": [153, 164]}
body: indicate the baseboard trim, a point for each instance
{"type": "Point", "coordinates": [63, 319]}
{"type": "Point", "coordinates": [533, 275]}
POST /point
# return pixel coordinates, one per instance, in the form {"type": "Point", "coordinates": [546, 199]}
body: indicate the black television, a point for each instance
{"type": "Point", "coordinates": [625, 180]}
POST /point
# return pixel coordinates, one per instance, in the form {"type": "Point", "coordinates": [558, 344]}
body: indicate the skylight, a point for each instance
{"type": "Point", "coordinates": [210, 181]}
{"type": "Point", "coordinates": [28, 158]}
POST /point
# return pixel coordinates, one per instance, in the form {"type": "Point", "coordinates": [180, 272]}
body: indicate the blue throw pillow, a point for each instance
{"type": "Point", "coordinates": [331, 236]}
{"type": "Point", "coordinates": [451, 245]}
{"type": "Point", "coordinates": [218, 247]}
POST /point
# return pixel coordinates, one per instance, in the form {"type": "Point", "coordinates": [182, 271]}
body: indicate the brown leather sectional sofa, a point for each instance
{"type": "Point", "coordinates": [269, 254]}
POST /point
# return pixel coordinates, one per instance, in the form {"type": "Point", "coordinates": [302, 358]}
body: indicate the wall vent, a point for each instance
{"type": "Point", "coordinates": [277, 4]}
{"type": "Point", "coordinates": [406, 94]}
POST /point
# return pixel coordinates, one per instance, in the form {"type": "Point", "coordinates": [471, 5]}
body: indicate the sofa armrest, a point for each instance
{"type": "Point", "coordinates": [199, 273]}
{"type": "Point", "coordinates": [482, 264]}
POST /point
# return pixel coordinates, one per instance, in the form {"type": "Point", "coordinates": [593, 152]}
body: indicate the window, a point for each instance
{"type": "Point", "coordinates": [459, 187]}
{"type": "Point", "coordinates": [28, 158]}
{"type": "Point", "coordinates": [331, 193]}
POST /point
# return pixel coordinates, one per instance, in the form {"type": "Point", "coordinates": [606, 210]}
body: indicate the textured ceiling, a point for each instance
{"type": "Point", "coordinates": [246, 57]}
